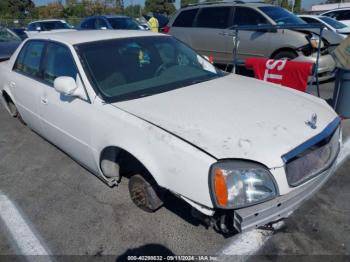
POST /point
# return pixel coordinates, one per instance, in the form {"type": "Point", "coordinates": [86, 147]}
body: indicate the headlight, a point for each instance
{"type": "Point", "coordinates": [314, 41]}
{"type": "Point", "coordinates": [237, 184]}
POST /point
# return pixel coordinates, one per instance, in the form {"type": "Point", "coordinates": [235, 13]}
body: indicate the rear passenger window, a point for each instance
{"type": "Point", "coordinates": [344, 15]}
{"type": "Point", "coordinates": [100, 23]}
{"type": "Point", "coordinates": [32, 27]}
{"type": "Point", "coordinates": [28, 61]}
{"type": "Point", "coordinates": [58, 62]}
{"type": "Point", "coordinates": [89, 24]}
{"type": "Point", "coordinates": [332, 14]}
{"type": "Point", "coordinates": [214, 17]}
{"type": "Point", "coordinates": [185, 18]}
{"type": "Point", "coordinates": [247, 16]}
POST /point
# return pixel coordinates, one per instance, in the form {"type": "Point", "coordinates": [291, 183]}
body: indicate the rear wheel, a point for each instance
{"type": "Point", "coordinates": [145, 193]}
{"type": "Point", "coordinates": [285, 55]}
{"type": "Point", "coordinates": [14, 111]}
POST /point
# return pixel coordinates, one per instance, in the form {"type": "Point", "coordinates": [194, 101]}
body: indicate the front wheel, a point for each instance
{"type": "Point", "coordinates": [285, 55]}
{"type": "Point", "coordinates": [144, 194]}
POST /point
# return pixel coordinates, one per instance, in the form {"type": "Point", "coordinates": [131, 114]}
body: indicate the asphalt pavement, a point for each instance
{"type": "Point", "coordinates": [68, 211]}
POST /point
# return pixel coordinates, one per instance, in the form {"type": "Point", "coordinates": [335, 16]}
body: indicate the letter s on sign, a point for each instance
{"type": "Point", "coordinates": [271, 65]}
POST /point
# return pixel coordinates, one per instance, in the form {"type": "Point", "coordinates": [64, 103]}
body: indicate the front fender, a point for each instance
{"type": "Point", "coordinates": [175, 164]}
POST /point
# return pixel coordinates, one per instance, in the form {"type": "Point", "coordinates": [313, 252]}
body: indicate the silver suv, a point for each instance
{"type": "Point", "coordinates": [206, 28]}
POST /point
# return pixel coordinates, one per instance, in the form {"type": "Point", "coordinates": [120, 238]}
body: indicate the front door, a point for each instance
{"type": "Point", "coordinates": [66, 120]}
{"type": "Point", "coordinates": [252, 43]}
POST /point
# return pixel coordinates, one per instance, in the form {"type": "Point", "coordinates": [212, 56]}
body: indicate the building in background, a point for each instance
{"type": "Point", "coordinates": [318, 9]}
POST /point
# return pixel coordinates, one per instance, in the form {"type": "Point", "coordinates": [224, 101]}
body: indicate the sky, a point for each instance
{"type": "Point", "coordinates": [306, 3]}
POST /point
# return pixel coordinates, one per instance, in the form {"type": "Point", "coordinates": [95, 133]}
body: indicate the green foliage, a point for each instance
{"type": "Point", "coordinates": [74, 9]}
{"type": "Point", "coordinates": [285, 4]}
{"type": "Point", "coordinates": [160, 6]}
{"type": "Point", "coordinates": [133, 10]}
{"type": "Point", "coordinates": [297, 6]}
{"type": "Point", "coordinates": [15, 8]}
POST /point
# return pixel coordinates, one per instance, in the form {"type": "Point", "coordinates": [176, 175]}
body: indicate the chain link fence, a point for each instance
{"type": "Point", "coordinates": [22, 23]}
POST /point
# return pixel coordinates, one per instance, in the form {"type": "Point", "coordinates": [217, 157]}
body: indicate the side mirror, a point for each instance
{"type": "Point", "coordinates": [38, 28]}
{"type": "Point", "coordinates": [68, 86]}
{"type": "Point", "coordinates": [65, 85]}
{"type": "Point", "coordinates": [103, 28]}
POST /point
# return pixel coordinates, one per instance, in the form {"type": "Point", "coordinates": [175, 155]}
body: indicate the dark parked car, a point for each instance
{"type": "Point", "coordinates": [109, 22]}
{"type": "Point", "coordinates": [8, 43]}
{"type": "Point", "coordinates": [20, 32]}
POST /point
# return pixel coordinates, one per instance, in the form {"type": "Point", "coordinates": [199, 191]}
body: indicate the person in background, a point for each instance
{"type": "Point", "coordinates": [153, 23]}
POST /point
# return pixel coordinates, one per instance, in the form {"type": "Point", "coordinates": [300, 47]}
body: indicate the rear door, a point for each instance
{"type": "Point", "coordinates": [26, 82]}
{"type": "Point", "coordinates": [210, 35]}
{"type": "Point", "coordinates": [251, 43]}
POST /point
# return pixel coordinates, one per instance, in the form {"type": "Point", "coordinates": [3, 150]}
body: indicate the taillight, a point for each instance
{"type": "Point", "coordinates": [166, 29]}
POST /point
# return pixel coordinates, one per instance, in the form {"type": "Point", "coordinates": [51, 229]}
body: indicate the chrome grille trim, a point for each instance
{"type": "Point", "coordinates": [314, 156]}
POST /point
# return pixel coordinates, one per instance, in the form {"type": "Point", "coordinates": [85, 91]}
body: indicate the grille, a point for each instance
{"type": "Point", "coordinates": [314, 160]}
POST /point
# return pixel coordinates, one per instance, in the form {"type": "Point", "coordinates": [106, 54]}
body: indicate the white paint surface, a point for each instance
{"type": "Point", "coordinates": [22, 235]}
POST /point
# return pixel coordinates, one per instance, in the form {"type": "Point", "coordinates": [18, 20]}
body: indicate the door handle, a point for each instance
{"type": "Point", "coordinates": [12, 84]}
{"type": "Point", "coordinates": [227, 34]}
{"type": "Point", "coordinates": [44, 100]}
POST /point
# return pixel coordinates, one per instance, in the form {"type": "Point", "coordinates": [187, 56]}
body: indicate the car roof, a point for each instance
{"type": "Point", "coordinates": [85, 36]}
{"type": "Point", "coordinates": [46, 20]}
{"type": "Point", "coordinates": [213, 4]}
{"type": "Point", "coordinates": [109, 16]}
{"type": "Point", "coordinates": [337, 9]}
{"type": "Point", "coordinates": [312, 16]}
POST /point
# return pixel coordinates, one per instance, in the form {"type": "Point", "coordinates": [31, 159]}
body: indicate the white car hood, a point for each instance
{"type": "Point", "coordinates": [345, 30]}
{"type": "Point", "coordinates": [236, 117]}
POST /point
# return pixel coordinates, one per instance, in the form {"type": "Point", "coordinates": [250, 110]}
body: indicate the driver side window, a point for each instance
{"type": "Point", "coordinates": [248, 16]}
{"type": "Point", "coordinates": [58, 62]}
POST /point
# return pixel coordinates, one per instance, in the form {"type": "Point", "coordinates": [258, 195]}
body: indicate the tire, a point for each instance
{"type": "Point", "coordinates": [289, 55]}
{"type": "Point", "coordinates": [144, 194]}
{"type": "Point", "coordinates": [14, 112]}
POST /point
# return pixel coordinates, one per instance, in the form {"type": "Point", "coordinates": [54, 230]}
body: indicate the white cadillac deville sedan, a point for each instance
{"type": "Point", "coordinates": [241, 152]}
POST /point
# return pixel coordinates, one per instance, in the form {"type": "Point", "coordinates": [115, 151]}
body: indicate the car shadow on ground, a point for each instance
{"type": "Point", "coordinates": [148, 250]}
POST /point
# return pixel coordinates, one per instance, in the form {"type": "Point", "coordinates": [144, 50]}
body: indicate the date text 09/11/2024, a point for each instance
{"type": "Point", "coordinates": [172, 258]}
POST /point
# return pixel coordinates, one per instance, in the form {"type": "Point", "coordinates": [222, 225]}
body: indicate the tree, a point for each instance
{"type": "Point", "coordinates": [297, 6]}
{"type": "Point", "coordinates": [18, 8]}
{"type": "Point", "coordinates": [160, 6]}
{"type": "Point", "coordinates": [133, 10]}
{"type": "Point", "coordinates": [285, 4]}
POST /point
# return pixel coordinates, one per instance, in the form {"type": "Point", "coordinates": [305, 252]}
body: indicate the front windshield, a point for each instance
{"type": "Point", "coordinates": [281, 16]}
{"type": "Point", "coordinates": [53, 25]}
{"type": "Point", "coordinates": [332, 22]}
{"type": "Point", "coordinates": [7, 36]}
{"type": "Point", "coordinates": [123, 23]}
{"type": "Point", "coordinates": [130, 68]}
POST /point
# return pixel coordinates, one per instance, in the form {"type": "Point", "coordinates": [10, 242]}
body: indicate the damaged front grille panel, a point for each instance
{"type": "Point", "coordinates": [314, 160]}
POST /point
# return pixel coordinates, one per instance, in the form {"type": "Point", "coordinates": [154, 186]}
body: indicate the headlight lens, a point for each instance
{"type": "Point", "coordinates": [314, 41]}
{"type": "Point", "coordinates": [237, 184]}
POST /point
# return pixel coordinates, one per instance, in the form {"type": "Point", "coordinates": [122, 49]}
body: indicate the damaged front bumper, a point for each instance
{"type": "Point", "coordinates": [326, 65]}
{"type": "Point", "coordinates": [280, 207]}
